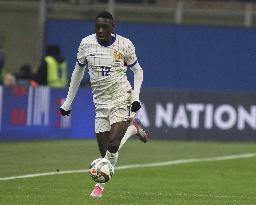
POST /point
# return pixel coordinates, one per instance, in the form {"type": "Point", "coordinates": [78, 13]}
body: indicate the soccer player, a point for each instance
{"type": "Point", "coordinates": [107, 57]}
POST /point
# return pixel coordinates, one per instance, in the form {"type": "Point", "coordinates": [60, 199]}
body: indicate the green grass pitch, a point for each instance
{"type": "Point", "coordinates": [225, 182]}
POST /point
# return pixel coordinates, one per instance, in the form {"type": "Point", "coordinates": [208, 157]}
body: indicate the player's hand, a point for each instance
{"type": "Point", "coordinates": [136, 105]}
{"type": "Point", "coordinates": [65, 112]}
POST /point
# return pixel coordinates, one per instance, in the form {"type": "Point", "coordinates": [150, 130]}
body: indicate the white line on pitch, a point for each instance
{"type": "Point", "coordinates": [189, 195]}
{"type": "Point", "coordinates": [157, 164]}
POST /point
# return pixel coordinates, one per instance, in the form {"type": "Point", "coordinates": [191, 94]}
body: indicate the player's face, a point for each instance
{"type": "Point", "coordinates": [103, 29]}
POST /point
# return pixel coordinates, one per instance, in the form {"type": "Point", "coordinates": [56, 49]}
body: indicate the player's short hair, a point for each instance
{"type": "Point", "coordinates": [105, 15]}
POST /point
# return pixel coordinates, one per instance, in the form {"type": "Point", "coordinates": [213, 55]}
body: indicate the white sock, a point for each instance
{"type": "Point", "coordinates": [112, 157]}
{"type": "Point", "coordinates": [131, 130]}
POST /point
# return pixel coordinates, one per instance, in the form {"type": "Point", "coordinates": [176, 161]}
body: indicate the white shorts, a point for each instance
{"type": "Point", "coordinates": [105, 117]}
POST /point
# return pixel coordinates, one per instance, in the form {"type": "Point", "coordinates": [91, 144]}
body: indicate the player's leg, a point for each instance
{"type": "Point", "coordinates": [135, 128]}
{"type": "Point", "coordinates": [120, 132]}
{"type": "Point", "coordinates": [103, 141]}
{"type": "Point", "coordinates": [108, 143]}
{"type": "Point", "coordinates": [102, 129]}
{"type": "Point", "coordinates": [122, 128]}
{"type": "Point", "coordinates": [120, 119]}
{"type": "Point", "coordinates": [122, 112]}
{"type": "Point", "coordinates": [117, 132]}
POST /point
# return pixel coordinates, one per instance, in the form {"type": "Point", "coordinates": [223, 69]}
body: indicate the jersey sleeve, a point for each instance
{"type": "Point", "coordinates": [130, 57]}
{"type": "Point", "coordinates": [81, 54]}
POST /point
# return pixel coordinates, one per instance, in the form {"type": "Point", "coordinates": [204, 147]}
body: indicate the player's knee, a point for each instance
{"type": "Point", "coordinates": [113, 146]}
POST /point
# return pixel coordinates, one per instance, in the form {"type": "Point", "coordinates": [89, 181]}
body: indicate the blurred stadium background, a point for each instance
{"type": "Point", "coordinates": [198, 94]}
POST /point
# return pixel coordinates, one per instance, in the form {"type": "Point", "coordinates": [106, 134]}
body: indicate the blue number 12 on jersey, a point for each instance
{"type": "Point", "coordinates": [105, 71]}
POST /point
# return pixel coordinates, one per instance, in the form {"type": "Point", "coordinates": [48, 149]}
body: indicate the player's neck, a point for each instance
{"type": "Point", "coordinates": [109, 42]}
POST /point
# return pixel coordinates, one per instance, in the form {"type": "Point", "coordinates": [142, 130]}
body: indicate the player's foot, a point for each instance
{"type": "Point", "coordinates": [141, 133]}
{"type": "Point", "coordinates": [97, 191]}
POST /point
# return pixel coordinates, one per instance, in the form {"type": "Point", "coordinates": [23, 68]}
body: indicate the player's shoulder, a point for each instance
{"type": "Point", "coordinates": [89, 39]}
{"type": "Point", "coordinates": [124, 40]}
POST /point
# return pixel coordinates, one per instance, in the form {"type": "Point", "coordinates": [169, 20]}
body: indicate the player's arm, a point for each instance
{"type": "Point", "coordinates": [138, 78]}
{"type": "Point", "coordinates": [76, 79]}
{"type": "Point", "coordinates": [132, 63]}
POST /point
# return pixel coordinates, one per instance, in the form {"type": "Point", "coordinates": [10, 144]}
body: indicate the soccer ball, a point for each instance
{"type": "Point", "coordinates": [101, 170]}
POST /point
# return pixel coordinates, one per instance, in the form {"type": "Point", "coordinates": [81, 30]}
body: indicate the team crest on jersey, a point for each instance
{"type": "Point", "coordinates": [118, 56]}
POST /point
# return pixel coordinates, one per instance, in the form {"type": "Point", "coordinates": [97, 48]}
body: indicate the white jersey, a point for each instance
{"type": "Point", "coordinates": [107, 67]}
